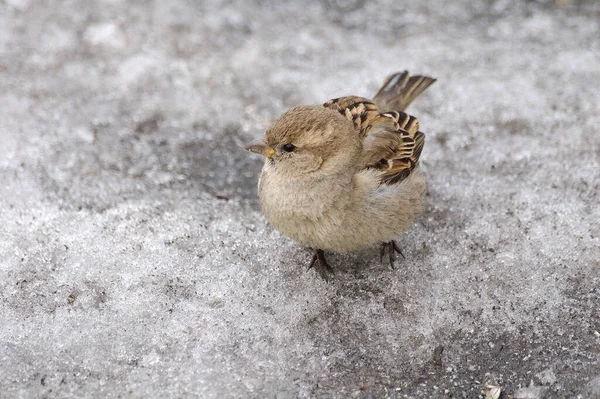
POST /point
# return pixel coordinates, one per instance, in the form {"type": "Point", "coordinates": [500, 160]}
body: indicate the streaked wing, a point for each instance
{"type": "Point", "coordinates": [392, 142]}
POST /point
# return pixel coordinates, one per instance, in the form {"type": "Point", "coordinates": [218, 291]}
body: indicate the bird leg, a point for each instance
{"type": "Point", "coordinates": [322, 267]}
{"type": "Point", "coordinates": [392, 248]}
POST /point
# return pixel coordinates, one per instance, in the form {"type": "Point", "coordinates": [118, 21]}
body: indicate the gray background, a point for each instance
{"type": "Point", "coordinates": [123, 275]}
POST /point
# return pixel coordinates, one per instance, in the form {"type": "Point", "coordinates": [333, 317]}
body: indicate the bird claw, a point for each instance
{"type": "Point", "coordinates": [392, 249]}
{"type": "Point", "coordinates": [322, 266]}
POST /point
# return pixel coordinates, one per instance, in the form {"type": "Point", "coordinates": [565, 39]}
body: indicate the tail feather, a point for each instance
{"type": "Point", "coordinates": [400, 89]}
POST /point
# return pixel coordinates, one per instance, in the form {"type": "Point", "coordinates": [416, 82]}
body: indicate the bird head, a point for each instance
{"type": "Point", "coordinates": [308, 140]}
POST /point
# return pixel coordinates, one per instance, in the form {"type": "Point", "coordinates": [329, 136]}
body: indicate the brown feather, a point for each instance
{"type": "Point", "coordinates": [400, 89]}
{"type": "Point", "coordinates": [392, 141]}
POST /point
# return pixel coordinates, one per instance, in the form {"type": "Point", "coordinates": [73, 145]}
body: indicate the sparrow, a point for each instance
{"type": "Point", "coordinates": [344, 176]}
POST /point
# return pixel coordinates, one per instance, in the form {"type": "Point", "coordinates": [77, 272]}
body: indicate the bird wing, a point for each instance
{"type": "Point", "coordinates": [392, 141]}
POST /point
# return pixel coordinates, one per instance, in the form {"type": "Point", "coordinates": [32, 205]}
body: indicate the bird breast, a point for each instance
{"type": "Point", "coordinates": [303, 208]}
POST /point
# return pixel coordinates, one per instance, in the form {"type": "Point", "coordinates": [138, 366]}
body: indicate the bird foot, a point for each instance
{"type": "Point", "coordinates": [392, 249]}
{"type": "Point", "coordinates": [322, 267]}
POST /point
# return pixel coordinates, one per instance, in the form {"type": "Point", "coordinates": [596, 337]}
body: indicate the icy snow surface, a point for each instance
{"type": "Point", "coordinates": [122, 274]}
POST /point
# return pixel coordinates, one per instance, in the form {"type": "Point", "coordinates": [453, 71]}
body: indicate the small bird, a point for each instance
{"type": "Point", "coordinates": [344, 175]}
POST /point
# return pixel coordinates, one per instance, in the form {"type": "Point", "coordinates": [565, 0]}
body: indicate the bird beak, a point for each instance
{"type": "Point", "coordinates": [260, 147]}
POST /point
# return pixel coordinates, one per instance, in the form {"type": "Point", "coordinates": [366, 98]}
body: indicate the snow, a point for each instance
{"type": "Point", "coordinates": [135, 262]}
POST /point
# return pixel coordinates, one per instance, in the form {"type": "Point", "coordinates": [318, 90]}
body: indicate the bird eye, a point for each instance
{"type": "Point", "coordinates": [288, 147]}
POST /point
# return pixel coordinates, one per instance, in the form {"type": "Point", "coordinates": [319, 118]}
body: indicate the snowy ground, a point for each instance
{"type": "Point", "coordinates": [122, 274]}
